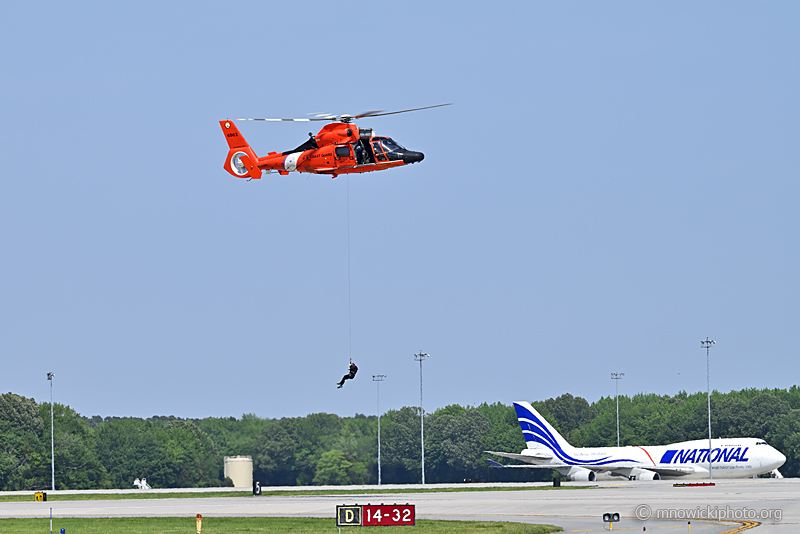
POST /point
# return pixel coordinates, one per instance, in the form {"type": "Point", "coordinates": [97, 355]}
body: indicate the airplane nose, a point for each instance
{"type": "Point", "coordinates": [780, 460]}
{"type": "Point", "coordinates": [412, 157]}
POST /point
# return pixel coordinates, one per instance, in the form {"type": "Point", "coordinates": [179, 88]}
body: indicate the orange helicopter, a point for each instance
{"type": "Point", "coordinates": [338, 148]}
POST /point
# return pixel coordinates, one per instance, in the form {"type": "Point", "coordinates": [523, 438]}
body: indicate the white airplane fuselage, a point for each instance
{"type": "Point", "coordinates": [730, 457]}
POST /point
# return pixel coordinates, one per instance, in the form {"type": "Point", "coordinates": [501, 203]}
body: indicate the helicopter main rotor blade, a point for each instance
{"type": "Point", "coordinates": [380, 113]}
{"type": "Point", "coordinates": [372, 113]}
{"type": "Point", "coordinates": [288, 120]}
{"type": "Point", "coordinates": [346, 118]}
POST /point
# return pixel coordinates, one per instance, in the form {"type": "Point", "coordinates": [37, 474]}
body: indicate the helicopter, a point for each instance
{"type": "Point", "coordinates": [338, 148]}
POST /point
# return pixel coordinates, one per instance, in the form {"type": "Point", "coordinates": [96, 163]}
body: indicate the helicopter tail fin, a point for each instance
{"type": "Point", "coordinates": [233, 135]}
{"type": "Point", "coordinates": [241, 160]}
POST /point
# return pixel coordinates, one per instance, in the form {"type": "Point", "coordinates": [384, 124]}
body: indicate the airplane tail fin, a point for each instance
{"type": "Point", "coordinates": [537, 431]}
{"type": "Point", "coordinates": [241, 160]}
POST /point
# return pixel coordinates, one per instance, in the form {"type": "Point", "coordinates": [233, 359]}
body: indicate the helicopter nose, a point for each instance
{"type": "Point", "coordinates": [412, 157]}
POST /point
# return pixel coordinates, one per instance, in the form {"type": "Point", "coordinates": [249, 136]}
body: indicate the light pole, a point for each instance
{"type": "Point", "coordinates": [421, 357]}
{"type": "Point", "coordinates": [616, 377]}
{"type": "Point", "coordinates": [706, 344]}
{"type": "Point", "coordinates": [379, 379]}
{"type": "Point", "coordinates": [52, 455]}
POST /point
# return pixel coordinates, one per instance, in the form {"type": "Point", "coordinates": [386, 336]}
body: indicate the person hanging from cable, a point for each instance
{"type": "Point", "coordinates": [350, 375]}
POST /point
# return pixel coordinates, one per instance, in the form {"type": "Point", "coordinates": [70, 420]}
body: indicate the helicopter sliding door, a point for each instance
{"type": "Point", "coordinates": [343, 155]}
{"type": "Point", "coordinates": [363, 152]}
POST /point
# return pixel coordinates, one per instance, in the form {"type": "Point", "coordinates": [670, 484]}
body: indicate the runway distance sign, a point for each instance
{"type": "Point", "coordinates": [388, 515]}
{"type": "Point", "coordinates": [375, 515]}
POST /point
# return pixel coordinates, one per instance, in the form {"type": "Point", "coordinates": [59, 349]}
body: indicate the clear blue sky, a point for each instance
{"type": "Point", "coordinates": [615, 182]}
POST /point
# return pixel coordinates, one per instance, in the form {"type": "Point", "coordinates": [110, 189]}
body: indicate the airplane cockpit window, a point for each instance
{"type": "Point", "coordinates": [761, 442]}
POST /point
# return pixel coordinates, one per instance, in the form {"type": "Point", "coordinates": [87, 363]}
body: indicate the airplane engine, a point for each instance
{"type": "Point", "coordinates": [643, 474]}
{"type": "Point", "coordinates": [579, 474]}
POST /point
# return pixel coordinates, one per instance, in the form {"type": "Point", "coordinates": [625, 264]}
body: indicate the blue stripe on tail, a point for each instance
{"type": "Point", "coordinates": [535, 430]}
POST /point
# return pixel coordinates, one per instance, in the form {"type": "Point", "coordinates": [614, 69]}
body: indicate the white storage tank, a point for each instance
{"type": "Point", "coordinates": [240, 470]}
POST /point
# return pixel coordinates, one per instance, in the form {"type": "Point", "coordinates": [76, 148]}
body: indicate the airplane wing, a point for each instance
{"type": "Point", "coordinates": [664, 471]}
{"type": "Point", "coordinates": [527, 458]}
{"type": "Point", "coordinates": [672, 471]}
{"type": "Point", "coordinates": [492, 463]}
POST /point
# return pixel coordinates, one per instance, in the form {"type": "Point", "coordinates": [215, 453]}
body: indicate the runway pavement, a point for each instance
{"type": "Point", "coordinates": [775, 504]}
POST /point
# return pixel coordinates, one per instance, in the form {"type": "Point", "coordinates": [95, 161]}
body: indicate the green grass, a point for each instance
{"type": "Point", "coordinates": [260, 525]}
{"type": "Point", "coordinates": [265, 493]}
{"type": "Point", "coordinates": [119, 496]}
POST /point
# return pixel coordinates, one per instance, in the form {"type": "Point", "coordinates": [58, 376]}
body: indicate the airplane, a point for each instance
{"type": "Point", "coordinates": [730, 457]}
{"type": "Point", "coordinates": [338, 148]}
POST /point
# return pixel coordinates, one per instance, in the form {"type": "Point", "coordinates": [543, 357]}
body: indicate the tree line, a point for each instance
{"type": "Point", "coordinates": [324, 449]}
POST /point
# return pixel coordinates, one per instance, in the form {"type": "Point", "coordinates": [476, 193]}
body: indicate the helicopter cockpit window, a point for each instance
{"type": "Point", "coordinates": [390, 145]}
{"type": "Point", "coordinates": [376, 148]}
{"type": "Point", "coordinates": [392, 149]}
